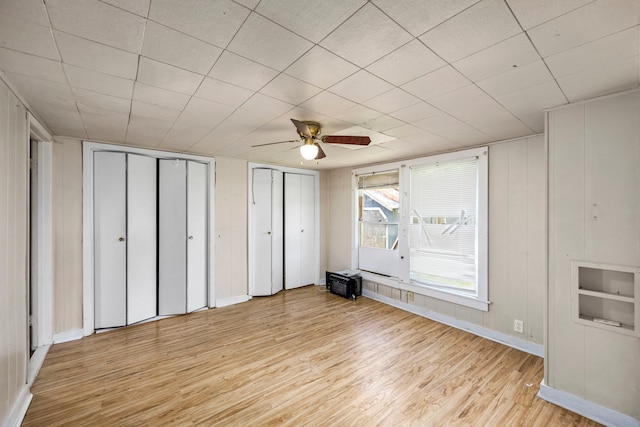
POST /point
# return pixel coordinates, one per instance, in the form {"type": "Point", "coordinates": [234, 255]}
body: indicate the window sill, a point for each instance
{"type": "Point", "coordinates": [451, 297]}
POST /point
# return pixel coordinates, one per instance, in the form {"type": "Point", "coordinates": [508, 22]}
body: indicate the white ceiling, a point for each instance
{"type": "Point", "coordinates": [215, 77]}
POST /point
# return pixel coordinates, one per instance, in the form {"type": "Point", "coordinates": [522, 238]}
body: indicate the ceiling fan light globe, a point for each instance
{"type": "Point", "coordinates": [309, 151]}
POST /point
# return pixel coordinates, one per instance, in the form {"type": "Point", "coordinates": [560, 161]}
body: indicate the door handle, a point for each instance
{"type": "Point", "coordinates": [121, 239]}
{"type": "Point", "coordinates": [190, 237]}
{"type": "Point", "coordinates": [302, 231]}
{"type": "Point", "coordinates": [268, 232]}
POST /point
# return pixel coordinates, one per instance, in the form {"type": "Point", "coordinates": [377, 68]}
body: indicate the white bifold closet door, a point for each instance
{"type": "Point", "coordinates": [299, 232]}
{"type": "Point", "coordinates": [267, 232]}
{"type": "Point", "coordinates": [182, 235]}
{"type": "Point", "coordinates": [124, 238]}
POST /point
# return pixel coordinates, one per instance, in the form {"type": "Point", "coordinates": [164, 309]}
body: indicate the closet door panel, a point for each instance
{"type": "Point", "coordinates": [277, 231]}
{"type": "Point", "coordinates": [292, 255]}
{"type": "Point", "coordinates": [141, 238]}
{"type": "Point", "coordinates": [261, 234]}
{"type": "Point", "coordinates": [197, 236]}
{"type": "Point", "coordinates": [172, 233]}
{"type": "Point", "coordinates": [307, 227]}
{"type": "Point", "coordinates": [110, 246]}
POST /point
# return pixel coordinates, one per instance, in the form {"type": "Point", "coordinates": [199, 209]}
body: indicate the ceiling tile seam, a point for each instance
{"type": "Point", "coordinates": [25, 20]}
{"type": "Point", "coordinates": [555, 17]}
{"type": "Point", "coordinates": [126, 10]}
{"type": "Point", "coordinates": [64, 72]}
{"type": "Point", "coordinates": [450, 18]}
{"type": "Point", "coordinates": [341, 24]}
{"type": "Point", "coordinates": [191, 36]}
{"type": "Point", "coordinates": [142, 39]}
{"type": "Point", "coordinates": [539, 54]}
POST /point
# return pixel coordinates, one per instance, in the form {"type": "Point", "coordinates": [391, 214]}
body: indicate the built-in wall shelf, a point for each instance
{"type": "Point", "coordinates": [606, 296]}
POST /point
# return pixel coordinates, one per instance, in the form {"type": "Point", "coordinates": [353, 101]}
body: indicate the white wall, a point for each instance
{"type": "Point", "coordinates": [594, 215]}
{"type": "Point", "coordinates": [517, 211]}
{"type": "Point", "coordinates": [14, 393]}
{"type": "Point", "coordinates": [231, 229]}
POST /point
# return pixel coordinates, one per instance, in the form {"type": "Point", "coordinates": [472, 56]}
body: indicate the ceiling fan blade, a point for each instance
{"type": "Point", "coordinates": [321, 154]}
{"type": "Point", "coordinates": [344, 139]}
{"type": "Point", "coordinates": [302, 127]}
{"type": "Point", "coordinates": [273, 143]}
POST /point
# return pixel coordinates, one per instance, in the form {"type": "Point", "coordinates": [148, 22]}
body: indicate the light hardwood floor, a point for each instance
{"type": "Point", "coordinates": [301, 357]}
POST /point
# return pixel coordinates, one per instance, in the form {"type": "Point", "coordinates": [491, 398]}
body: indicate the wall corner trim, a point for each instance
{"type": "Point", "coordinates": [591, 410]}
{"type": "Point", "coordinates": [223, 302]}
{"type": "Point", "coordinates": [490, 334]}
{"type": "Point", "coordinates": [68, 336]}
{"type": "Point", "coordinates": [20, 407]}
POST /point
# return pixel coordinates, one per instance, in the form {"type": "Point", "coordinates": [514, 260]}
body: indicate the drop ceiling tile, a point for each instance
{"type": "Point", "coordinates": [478, 27]}
{"type": "Point", "coordinates": [142, 109]}
{"type": "Point", "coordinates": [139, 7]}
{"type": "Point", "coordinates": [436, 83]}
{"type": "Point", "coordinates": [434, 123]}
{"type": "Point", "coordinates": [383, 123]}
{"type": "Point", "coordinates": [241, 72]}
{"type": "Point", "coordinates": [321, 68]}
{"type": "Point", "coordinates": [359, 114]}
{"type": "Point", "coordinates": [534, 98]}
{"type": "Point", "coordinates": [327, 103]}
{"type": "Point", "coordinates": [251, 4]}
{"type": "Point", "coordinates": [513, 129]}
{"type": "Point", "coordinates": [103, 125]}
{"type": "Point", "coordinates": [418, 16]}
{"type": "Point", "coordinates": [32, 66]}
{"type": "Point", "coordinates": [183, 134]}
{"type": "Point", "coordinates": [403, 131]}
{"type": "Point", "coordinates": [175, 48]}
{"type": "Point", "coordinates": [415, 112]}
{"type": "Point", "coordinates": [366, 36]}
{"type": "Point", "coordinates": [212, 21]}
{"type": "Point", "coordinates": [144, 131]}
{"type": "Point", "coordinates": [469, 138]}
{"type": "Point", "coordinates": [516, 79]}
{"type": "Point", "coordinates": [222, 92]}
{"type": "Point", "coordinates": [604, 51]}
{"type": "Point", "coordinates": [267, 43]}
{"type": "Point", "coordinates": [24, 36]}
{"type": "Point", "coordinates": [290, 89]}
{"type": "Point", "coordinates": [34, 88]}
{"type": "Point", "coordinates": [98, 82]}
{"type": "Point", "coordinates": [96, 56]}
{"type": "Point", "coordinates": [226, 133]}
{"type": "Point", "coordinates": [61, 120]}
{"type": "Point", "coordinates": [593, 21]}
{"type": "Point", "coordinates": [203, 113]}
{"type": "Point", "coordinates": [168, 77]}
{"type": "Point", "coordinates": [29, 10]}
{"type": "Point", "coordinates": [99, 22]}
{"type": "Point", "coordinates": [406, 63]}
{"type": "Point", "coordinates": [315, 25]}
{"type": "Point", "coordinates": [464, 97]}
{"type": "Point", "coordinates": [531, 14]}
{"type": "Point", "coordinates": [102, 101]}
{"type": "Point", "coordinates": [499, 58]}
{"type": "Point", "coordinates": [391, 101]}
{"type": "Point", "coordinates": [261, 109]}
{"type": "Point", "coordinates": [602, 80]}
{"type": "Point", "coordinates": [160, 97]}
{"type": "Point", "coordinates": [360, 86]}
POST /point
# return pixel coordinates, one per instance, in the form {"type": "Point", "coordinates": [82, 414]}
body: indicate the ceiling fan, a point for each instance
{"type": "Point", "coordinates": [310, 136]}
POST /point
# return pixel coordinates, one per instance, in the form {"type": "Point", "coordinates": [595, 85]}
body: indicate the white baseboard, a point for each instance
{"type": "Point", "coordinates": [593, 411]}
{"type": "Point", "coordinates": [36, 361]}
{"type": "Point", "coordinates": [20, 407]}
{"type": "Point", "coordinates": [520, 344]}
{"type": "Point", "coordinates": [223, 302]}
{"type": "Point", "coordinates": [68, 336]}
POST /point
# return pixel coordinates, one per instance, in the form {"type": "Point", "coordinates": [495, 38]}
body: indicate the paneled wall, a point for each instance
{"type": "Point", "coordinates": [13, 253]}
{"type": "Point", "coordinates": [516, 241]}
{"type": "Point", "coordinates": [594, 216]}
{"type": "Point", "coordinates": [67, 235]}
{"type": "Point", "coordinates": [231, 228]}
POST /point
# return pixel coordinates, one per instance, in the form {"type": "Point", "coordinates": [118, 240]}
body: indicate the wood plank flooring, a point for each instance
{"type": "Point", "coordinates": [301, 357]}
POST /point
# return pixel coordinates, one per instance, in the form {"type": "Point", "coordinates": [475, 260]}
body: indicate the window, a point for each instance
{"type": "Point", "coordinates": [427, 219]}
{"type": "Point", "coordinates": [379, 210]}
{"type": "Point", "coordinates": [443, 224]}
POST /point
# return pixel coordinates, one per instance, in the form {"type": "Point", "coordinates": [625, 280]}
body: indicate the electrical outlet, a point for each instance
{"type": "Point", "coordinates": [410, 296]}
{"type": "Point", "coordinates": [518, 326]}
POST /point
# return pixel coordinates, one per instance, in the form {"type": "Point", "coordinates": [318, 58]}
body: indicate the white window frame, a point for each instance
{"type": "Point", "coordinates": [403, 281]}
